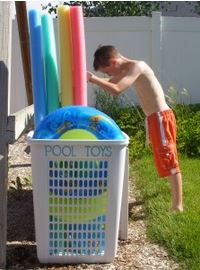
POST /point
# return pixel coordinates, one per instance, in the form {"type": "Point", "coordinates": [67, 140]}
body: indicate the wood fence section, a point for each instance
{"type": "Point", "coordinates": [5, 42]}
{"type": "Point", "coordinates": [18, 123]}
{"type": "Point", "coordinates": [11, 126]}
{"type": "Point", "coordinates": [22, 21]}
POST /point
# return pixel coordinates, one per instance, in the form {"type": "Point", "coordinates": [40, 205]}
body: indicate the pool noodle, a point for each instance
{"type": "Point", "coordinates": [37, 66]}
{"type": "Point", "coordinates": [65, 48]}
{"type": "Point", "coordinates": [79, 56]}
{"type": "Point", "coordinates": [51, 67]}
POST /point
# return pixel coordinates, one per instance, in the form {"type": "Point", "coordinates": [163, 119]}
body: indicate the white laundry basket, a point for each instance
{"type": "Point", "coordinates": [77, 190]}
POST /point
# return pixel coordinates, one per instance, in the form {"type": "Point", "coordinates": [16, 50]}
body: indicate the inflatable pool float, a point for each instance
{"type": "Point", "coordinates": [80, 209]}
{"type": "Point", "coordinates": [78, 122]}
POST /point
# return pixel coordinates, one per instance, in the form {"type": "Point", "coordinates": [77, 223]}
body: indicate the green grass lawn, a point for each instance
{"type": "Point", "coordinates": [179, 233]}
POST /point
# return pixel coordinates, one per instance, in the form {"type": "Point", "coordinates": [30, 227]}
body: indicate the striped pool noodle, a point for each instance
{"type": "Point", "coordinates": [37, 66]}
{"type": "Point", "coordinates": [79, 56]}
{"type": "Point", "coordinates": [65, 49]}
{"type": "Point", "coordinates": [51, 67]}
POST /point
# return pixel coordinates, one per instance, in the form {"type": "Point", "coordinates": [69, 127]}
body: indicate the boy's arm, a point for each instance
{"type": "Point", "coordinates": [116, 84]}
{"type": "Point", "coordinates": [103, 83]}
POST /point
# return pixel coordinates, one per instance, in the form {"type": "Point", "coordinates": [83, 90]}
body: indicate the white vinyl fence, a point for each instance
{"type": "Point", "coordinates": [170, 45]}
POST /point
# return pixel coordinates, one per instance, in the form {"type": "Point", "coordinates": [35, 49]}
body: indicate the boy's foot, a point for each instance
{"type": "Point", "coordinates": [177, 209]}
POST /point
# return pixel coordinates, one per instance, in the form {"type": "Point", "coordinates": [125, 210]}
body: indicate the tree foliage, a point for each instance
{"type": "Point", "coordinates": [111, 8]}
{"type": "Point", "coordinates": [197, 8]}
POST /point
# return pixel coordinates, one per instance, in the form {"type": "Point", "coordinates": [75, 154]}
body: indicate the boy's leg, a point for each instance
{"type": "Point", "coordinates": [176, 189]}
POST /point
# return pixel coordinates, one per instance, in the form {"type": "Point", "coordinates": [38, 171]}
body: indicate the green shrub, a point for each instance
{"type": "Point", "coordinates": [188, 120]}
{"type": "Point", "coordinates": [130, 121]}
{"type": "Point", "coordinates": [188, 139]}
{"type": "Point", "coordinates": [188, 129]}
{"type": "Point", "coordinates": [108, 104]}
{"type": "Point", "coordinates": [177, 96]}
{"type": "Point", "coordinates": [183, 111]}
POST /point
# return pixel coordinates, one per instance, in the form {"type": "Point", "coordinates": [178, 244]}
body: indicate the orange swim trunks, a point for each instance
{"type": "Point", "coordinates": [161, 130]}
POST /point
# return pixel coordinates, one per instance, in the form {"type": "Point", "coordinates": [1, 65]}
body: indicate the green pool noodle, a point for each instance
{"type": "Point", "coordinates": [51, 66]}
{"type": "Point", "coordinates": [78, 209]}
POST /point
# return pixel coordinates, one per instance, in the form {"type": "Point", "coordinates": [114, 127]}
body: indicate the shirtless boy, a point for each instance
{"type": "Point", "coordinates": [161, 123]}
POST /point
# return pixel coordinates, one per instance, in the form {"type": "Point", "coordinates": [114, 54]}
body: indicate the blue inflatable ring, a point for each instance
{"type": "Point", "coordinates": [85, 118]}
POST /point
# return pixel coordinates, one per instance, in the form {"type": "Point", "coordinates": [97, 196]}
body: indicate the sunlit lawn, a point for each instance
{"type": "Point", "coordinates": [178, 233]}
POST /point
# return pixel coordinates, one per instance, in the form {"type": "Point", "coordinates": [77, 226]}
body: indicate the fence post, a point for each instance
{"type": "Point", "coordinates": [21, 14]}
{"type": "Point", "coordinates": [5, 52]}
{"type": "Point", "coordinates": [156, 29]}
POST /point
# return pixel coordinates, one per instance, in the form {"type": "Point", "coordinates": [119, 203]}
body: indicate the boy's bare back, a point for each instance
{"type": "Point", "coordinates": [148, 89]}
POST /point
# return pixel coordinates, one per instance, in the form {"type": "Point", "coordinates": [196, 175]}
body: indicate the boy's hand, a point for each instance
{"type": "Point", "coordinates": [89, 75]}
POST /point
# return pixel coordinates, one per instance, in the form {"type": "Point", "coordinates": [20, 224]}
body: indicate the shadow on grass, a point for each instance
{"type": "Point", "coordinates": [136, 207]}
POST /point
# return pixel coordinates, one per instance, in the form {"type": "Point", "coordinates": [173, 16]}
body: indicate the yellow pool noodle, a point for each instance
{"type": "Point", "coordinates": [65, 49]}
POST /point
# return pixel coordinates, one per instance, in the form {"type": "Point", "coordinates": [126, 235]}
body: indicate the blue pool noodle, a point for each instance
{"type": "Point", "coordinates": [37, 66]}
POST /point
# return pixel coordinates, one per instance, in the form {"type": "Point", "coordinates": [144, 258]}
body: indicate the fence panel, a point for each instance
{"type": "Point", "coordinates": [169, 44]}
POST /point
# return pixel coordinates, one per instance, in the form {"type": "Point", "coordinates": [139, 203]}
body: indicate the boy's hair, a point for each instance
{"type": "Point", "coordinates": [102, 56]}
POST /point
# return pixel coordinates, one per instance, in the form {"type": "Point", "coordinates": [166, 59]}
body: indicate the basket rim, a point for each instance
{"type": "Point", "coordinates": [31, 141]}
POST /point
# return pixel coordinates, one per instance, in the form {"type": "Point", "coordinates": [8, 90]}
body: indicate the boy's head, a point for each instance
{"type": "Point", "coordinates": [103, 56]}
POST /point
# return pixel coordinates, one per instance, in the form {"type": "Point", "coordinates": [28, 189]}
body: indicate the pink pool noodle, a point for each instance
{"type": "Point", "coordinates": [79, 56]}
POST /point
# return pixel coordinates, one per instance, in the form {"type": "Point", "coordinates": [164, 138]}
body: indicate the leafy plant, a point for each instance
{"type": "Point", "coordinates": [114, 105]}
{"type": "Point", "coordinates": [189, 135]}
{"type": "Point", "coordinates": [20, 184]}
{"type": "Point", "coordinates": [176, 96]}
{"type": "Point", "coordinates": [111, 8]}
